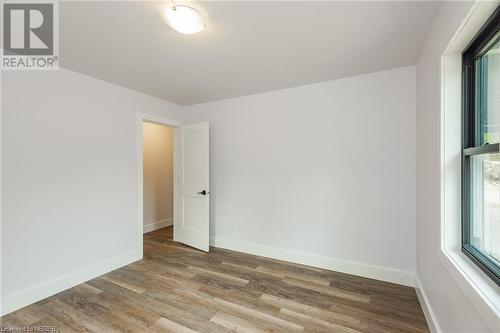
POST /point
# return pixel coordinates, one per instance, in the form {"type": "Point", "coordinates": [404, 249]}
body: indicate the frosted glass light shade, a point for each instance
{"type": "Point", "coordinates": [183, 19]}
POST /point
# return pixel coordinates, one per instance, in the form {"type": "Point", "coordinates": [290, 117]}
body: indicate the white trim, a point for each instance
{"type": "Point", "coordinates": [158, 225]}
{"type": "Point", "coordinates": [151, 118]}
{"type": "Point", "coordinates": [140, 118]}
{"type": "Point", "coordinates": [339, 265]}
{"type": "Point", "coordinates": [46, 289]}
{"type": "Point", "coordinates": [430, 317]}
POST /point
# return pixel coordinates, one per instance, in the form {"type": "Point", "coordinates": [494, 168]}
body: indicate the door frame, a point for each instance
{"type": "Point", "coordinates": [140, 119]}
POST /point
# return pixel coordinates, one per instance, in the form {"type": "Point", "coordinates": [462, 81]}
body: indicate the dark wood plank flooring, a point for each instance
{"type": "Point", "coordinates": [179, 289]}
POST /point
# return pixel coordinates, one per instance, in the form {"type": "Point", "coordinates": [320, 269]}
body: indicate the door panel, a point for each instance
{"type": "Point", "coordinates": [191, 185]}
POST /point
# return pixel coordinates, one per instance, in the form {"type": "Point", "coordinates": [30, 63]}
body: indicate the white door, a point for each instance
{"type": "Point", "coordinates": [191, 197]}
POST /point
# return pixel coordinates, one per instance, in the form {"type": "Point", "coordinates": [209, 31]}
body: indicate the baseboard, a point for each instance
{"type": "Point", "coordinates": [426, 307]}
{"type": "Point", "coordinates": [344, 266]}
{"type": "Point", "coordinates": [44, 290]}
{"type": "Point", "coordinates": [157, 225]}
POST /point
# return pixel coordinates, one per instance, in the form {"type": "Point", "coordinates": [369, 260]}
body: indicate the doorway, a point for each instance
{"type": "Point", "coordinates": [158, 178]}
{"type": "Point", "coordinates": [173, 180]}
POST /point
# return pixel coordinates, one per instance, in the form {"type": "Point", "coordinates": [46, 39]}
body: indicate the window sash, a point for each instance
{"type": "Point", "coordinates": [482, 260]}
{"type": "Point", "coordinates": [471, 141]}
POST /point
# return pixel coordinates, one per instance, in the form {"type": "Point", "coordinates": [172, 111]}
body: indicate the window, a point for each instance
{"type": "Point", "coordinates": [481, 154]}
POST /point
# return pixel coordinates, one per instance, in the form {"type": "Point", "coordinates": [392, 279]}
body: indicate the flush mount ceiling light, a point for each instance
{"type": "Point", "coordinates": [183, 19]}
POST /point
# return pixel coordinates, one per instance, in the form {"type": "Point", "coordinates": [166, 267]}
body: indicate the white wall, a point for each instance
{"type": "Point", "coordinates": [323, 172]}
{"type": "Point", "coordinates": [452, 310]}
{"type": "Point", "coordinates": [69, 179]}
{"type": "Point", "coordinates": [158, 176]}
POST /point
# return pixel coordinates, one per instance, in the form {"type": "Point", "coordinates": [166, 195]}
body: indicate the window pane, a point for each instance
{"type": "Point", "coordinates": [488, 94]}
{"type": "Point", "coordinates": [485, 202]}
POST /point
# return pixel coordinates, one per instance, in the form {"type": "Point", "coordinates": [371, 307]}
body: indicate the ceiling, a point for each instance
{"type": "Point", "coordinates": [247, 48]}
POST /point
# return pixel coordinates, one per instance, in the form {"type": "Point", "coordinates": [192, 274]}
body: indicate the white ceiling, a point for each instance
{"type": "Point", "coordinates": [247, 48]}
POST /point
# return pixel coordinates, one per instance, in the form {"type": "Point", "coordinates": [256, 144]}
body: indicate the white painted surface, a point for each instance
{"type": "Point", "coordinates": [158, 171]}
{"type": "Point", "coordinates": [191, 170]}
{"type": "Point", "coordinates": [451, 306]}
{"type": "Point", "coordinates": [248, 47]}
{"type": "Point", "coordinates": [69, 178]}
{"type": "Point", "coordinates": [430, 317]}
{"type": "Point", "coordinates": [326, 169]}
{"type": "Point", "coordinates": [158, 225]}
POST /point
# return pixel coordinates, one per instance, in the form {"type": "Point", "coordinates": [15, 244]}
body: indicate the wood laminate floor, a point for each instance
{"type": "Point", "coordinates": [179, 289]}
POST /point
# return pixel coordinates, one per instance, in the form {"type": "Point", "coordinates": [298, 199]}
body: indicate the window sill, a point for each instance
{"type": "Point", "coordinates": [479, 289]}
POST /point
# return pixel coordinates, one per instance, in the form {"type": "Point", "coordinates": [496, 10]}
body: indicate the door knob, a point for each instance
{"type": "Point", "coordinates": [203, 192]}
